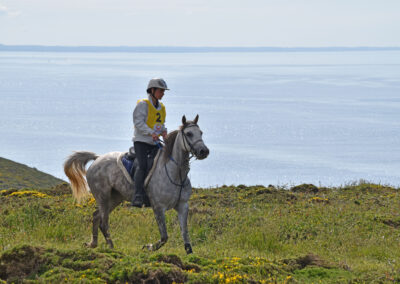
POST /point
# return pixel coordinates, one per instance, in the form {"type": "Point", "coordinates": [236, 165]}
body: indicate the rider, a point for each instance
{"type": "Point", "coordinates": [149, 121]}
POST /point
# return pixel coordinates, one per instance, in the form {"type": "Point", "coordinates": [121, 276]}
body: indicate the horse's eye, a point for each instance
{"type": "Point", "coordinates": [189, 134]}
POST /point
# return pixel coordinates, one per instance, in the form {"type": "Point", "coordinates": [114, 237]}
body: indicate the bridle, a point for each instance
{"type": "Point", "coordinates": [186, 141]}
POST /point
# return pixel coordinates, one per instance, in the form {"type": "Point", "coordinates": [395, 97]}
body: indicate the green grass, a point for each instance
{"type": "Point", "coordinates": [239, 235]}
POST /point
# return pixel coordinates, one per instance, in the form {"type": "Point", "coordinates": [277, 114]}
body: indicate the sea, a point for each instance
{"type": "Point", "coordinates": [328, 118]}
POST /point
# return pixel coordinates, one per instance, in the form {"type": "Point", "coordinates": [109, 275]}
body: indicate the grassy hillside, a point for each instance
{"type": "Point", "coordinates": [239, 234]}
{"type": "Point", "coordinates": [16, 175]}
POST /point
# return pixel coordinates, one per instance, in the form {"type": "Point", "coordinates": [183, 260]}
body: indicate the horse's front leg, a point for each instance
{"type": "Point", "coordinates": [159, 214]}
{"type": "Point", "coordinates": [183, 211]}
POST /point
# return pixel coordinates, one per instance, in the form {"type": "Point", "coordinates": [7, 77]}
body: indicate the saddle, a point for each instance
{"type": "Point", "coordinates": [130, 164]}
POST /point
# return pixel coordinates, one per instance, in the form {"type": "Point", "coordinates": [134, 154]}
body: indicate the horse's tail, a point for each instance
{"type": "Point", "coordinates": [74, 168]}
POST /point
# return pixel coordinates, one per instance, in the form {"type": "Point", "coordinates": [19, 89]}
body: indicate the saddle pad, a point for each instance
{"type": "Point", "coordinates": [128, 164]}
{"type": "Point", "coordinates": [121, 161]}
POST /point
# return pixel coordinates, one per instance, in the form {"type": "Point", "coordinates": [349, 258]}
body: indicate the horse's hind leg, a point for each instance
{"type": "Point", "coordinates": [95, 229]}
{"type": "Point", "coordinates": [105, 210]}
{"type": "Point", "coordinates": [160, 217]}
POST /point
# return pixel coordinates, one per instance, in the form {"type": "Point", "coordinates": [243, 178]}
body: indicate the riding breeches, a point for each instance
{"type": "Point", "coordinates": [141, 149]}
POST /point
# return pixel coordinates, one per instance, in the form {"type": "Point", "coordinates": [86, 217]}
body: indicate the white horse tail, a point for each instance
{"type": "Point", "coordinates": [74, 168]}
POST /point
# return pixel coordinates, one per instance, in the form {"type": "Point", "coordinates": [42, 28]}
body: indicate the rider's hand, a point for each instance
{"type": "Point", "coordinates": [154, 136]}
{"type": "Point", "coordinates": [164, 135]}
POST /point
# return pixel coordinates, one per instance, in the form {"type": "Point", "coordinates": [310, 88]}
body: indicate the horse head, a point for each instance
{"type": "Point", "coordinates": [192, 140]}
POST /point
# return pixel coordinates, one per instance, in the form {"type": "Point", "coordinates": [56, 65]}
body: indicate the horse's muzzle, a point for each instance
{"type": "Point", "coordinates": [202, 153]}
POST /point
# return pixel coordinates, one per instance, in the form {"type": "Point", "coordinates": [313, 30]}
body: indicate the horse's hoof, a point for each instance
{"type": "Point", "coordinates": [148, 247]}
{"type": "Point", "coordinates": [188, 249]}
{"type": "Point", "coordinates": [90, 245]}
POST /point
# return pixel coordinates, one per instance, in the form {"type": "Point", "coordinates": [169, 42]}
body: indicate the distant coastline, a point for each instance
{"type": "Point", "coordinates": [185, 49]}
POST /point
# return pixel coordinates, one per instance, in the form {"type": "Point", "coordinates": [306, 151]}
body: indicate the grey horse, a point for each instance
{"type": "Point", "coordinates": [167, 185]}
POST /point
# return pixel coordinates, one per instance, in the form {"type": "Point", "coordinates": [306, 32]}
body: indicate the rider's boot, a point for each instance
{"type": "Point", "coordinates": [139, 193]}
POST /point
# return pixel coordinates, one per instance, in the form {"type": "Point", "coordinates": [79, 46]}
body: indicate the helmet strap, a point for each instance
{"type": "Point", "coordinates": [152, 94]}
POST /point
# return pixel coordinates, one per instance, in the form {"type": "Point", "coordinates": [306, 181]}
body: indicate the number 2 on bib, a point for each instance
{"type": "Point", "coordinates": [158, 117]}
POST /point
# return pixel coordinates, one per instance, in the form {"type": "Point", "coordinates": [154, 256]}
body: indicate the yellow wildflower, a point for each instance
{"type": "Point", "coordinates": [319, 199]}
{"type": "Point", "coordinates": [29, 193]}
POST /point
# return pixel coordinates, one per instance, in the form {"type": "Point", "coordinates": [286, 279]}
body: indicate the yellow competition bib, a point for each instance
{"type": "Point", "coordinates": [155, 118]}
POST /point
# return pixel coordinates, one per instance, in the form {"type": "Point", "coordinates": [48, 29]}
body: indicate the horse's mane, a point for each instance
{"type": "Point", "coordinates": [169, 144]}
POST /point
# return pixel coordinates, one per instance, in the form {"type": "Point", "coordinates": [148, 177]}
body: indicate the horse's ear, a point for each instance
{"type": "Point", "coordinates": [183, 120]}
{"type": "Point", "coordinates": [196, 119]}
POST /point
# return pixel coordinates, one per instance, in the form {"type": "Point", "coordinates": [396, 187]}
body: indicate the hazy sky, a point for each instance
{"type": "Point", "coordinates": [201, 23]}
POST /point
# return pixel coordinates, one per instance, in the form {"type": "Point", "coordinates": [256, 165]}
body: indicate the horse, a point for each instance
{"type": "Point", "coordinates": [167, 185]}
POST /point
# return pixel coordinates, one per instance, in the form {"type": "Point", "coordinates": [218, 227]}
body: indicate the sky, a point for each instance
{"type": "Point", "coordinates": [280, 23]}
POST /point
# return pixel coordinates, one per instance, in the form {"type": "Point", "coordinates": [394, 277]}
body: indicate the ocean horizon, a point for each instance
{"type": "Point", "coordinates": [190, 49]}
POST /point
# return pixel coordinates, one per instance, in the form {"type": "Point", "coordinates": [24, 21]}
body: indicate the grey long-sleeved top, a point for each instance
{"type": "Point", "coordinates": [143, 132]}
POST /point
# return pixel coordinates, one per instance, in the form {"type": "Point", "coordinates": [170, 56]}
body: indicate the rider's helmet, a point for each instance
{"type": "Point", "coordinates": [157, 83]}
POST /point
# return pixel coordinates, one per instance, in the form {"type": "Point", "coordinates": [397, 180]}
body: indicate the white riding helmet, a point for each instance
{"type": "Point", "coordinates": [157, 83]}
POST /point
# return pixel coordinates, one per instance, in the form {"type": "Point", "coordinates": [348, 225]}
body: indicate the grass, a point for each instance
{"type": "Point", "coordinates": [239, 234]}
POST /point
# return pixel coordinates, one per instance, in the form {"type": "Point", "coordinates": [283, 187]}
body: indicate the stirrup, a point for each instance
{"type": "Point", "coordinates": [138, 201]}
